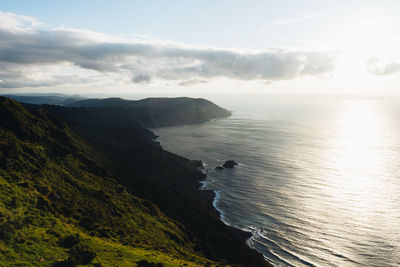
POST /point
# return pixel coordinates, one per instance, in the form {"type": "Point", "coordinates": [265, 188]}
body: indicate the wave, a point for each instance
{"type": "Point", "coordinates": [269, 255]}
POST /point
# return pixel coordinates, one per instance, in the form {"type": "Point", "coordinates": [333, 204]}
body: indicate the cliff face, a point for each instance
{"type": "Point", "coordinates": [109, 192]}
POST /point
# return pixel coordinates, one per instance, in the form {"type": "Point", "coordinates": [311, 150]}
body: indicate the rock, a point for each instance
{"type": "Point", "coordinates": [230, 164]}
{"type": "Point", "coordinates": [198, 163]}
{"type": "Point", "coordinates": [219, 168]}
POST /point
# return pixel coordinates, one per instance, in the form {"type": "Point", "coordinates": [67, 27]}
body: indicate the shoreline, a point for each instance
{"type": "Point", "coordinates": [248, 233]}
{"type": "Point", "coordinates": [211, 200]}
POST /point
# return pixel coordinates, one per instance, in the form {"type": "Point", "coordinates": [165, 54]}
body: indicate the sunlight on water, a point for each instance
{"type": "Point", "coordinates": [359, 161]}
{"type": "Point", "coordinates": [318, 182]}
{"type": "Point", "coordinates": [354, 157]}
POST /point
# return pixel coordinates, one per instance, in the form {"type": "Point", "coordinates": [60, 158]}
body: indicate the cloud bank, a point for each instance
{"type": "Point", "coordinates": [376, 67]}
{"type": "Point", "coordinates": [28, 51]}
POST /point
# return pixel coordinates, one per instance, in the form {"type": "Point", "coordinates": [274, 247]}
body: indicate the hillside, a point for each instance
{"type": "Point", "coordinates": [156, 112]}
{"type": "Point", "coordinates": [104, 193]}
{"type": "Point", "coordinates": [149, 112]}
{"type": "Point", "coordinates": [60, 207]}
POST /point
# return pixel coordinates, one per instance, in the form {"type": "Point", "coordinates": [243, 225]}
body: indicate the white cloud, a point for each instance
{"type": "Point", "coordinates": [140, 61]}
{"type": "Point", "coordinates": [11, 20]}
{"type": "Point", "coordinates": [376, 67]}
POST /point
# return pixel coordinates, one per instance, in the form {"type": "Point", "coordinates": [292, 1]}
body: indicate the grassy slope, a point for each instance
{"type": "Point", "coordinates": [58, 205]}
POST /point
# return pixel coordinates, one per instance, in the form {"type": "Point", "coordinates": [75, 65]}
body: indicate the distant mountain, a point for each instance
{"type": "Point", "coordinates": [51, 99]}
{"type": "Point", "coordinates": [156, 112]}
{"type": "Point", "coordinates": [102, 192]}
{"type": "Point", "coordinates": [102, 102]}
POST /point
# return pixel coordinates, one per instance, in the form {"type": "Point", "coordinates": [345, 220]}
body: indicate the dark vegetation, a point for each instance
{"type": "Point", "coordinates": [151, 112]}
{"type": "Point", "coordinates": [98, 190]}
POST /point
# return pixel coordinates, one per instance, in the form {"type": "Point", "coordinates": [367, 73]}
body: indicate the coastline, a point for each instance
{"type": "Point", "coordinates": [246, 234]}
{"type": "Point", "coordinates": [211, 198]}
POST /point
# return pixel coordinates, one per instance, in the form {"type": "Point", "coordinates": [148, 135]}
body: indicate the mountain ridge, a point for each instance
{"type": "Point", "coordinates": [157, 112]}
{"type": "Point", "coordinates": [50, 99]}
{"type": "Point", "coordinates": [148, 112]}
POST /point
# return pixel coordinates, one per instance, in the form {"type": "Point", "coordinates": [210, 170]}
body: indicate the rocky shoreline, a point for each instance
{"type": "Point", "coordinates": [209, 199]}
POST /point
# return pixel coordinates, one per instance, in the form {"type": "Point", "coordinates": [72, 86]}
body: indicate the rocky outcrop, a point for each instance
{"type": "Point", "coordinates": [199, 164]}
{"type": "Point", "coordinates": [230, 164]}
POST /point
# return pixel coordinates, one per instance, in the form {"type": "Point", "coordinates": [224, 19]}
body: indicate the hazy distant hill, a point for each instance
{"type": "Point", "coordinates": [149, 112]}
{"type": "Point", "coordinates": [156, 112]}
{"type": "Point", "coordinates": [102, 102]}
{"type": "Point", "coordinates": [51, 99]}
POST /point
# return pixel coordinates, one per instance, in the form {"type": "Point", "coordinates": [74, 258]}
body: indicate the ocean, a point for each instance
{"type": "Point", "coordinates": [318, 181]}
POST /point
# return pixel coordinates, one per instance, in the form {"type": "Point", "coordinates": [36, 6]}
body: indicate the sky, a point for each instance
{"type": "Point", "coordinates": [225, 46]}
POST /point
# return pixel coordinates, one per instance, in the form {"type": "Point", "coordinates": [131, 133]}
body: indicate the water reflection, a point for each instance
{"type": "Point", "coordinates": [356, 161]}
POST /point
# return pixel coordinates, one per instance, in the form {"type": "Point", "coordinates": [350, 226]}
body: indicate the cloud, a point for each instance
{"type": "Point", "coordinates": [19, 80]}
{"type": "Point", "coordinates": [141, 78]}
{"type": "Point", "coordinates": [140, 61]}
{"type": "Point", "coordinates": [191, 82]}
{"type": "Point", "coordinates": [11, 20]}
{"type": "Point", "coordinates": [376, 67]}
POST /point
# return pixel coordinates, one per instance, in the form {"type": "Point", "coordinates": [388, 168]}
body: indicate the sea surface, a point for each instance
{"type": "Point", "coordinates": [318, 181]}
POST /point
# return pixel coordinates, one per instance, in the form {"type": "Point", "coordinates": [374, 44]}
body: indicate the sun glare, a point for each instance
{"type": "Point", "coordinates": [358, 43]}
{"type": "Point", "coordinates": [366, 38]}
{"type": "Point", "coordinates": [354, 154]}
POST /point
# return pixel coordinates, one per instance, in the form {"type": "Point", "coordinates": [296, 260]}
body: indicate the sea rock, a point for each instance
{"type": "Point", "coordinates": [230, 164]}
{"type": "Point", "coordinates": [219, 168]}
